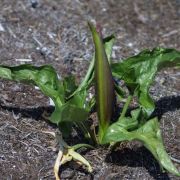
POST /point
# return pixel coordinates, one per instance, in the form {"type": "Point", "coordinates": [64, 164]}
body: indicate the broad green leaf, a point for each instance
{"type": "Point", "coordinates": [74, 110]}
{"type": "Point", "coordinates": [79, 100]}
{"type": "Point", "coordinates": [104, 85]}
{"type": "Point", "coordinates": [138, 72]}
{"type": "Point", "coordinates": [44, 77]}
{"type": "Point", "coordinates": [149, 134]}
{"type": "Point", "coordinates": [66, 115]}
{"type": "Point", "coordinates": [69, 113]}
{"type": "Point", "coordinates": [130, 123]}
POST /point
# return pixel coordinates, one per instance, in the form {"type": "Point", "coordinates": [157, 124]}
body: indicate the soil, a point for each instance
{"type": "Point", "coordinates": [56, 32]}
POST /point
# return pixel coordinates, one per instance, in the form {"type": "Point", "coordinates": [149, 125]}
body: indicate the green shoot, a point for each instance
{"type": "Point", "coordinates": [104, 85]}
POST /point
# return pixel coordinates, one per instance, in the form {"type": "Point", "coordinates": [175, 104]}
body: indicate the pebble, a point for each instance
{"type": "Point", "coordinates": [51, 103]}
{"type": "Point", "coordinates": [34, 3]}
{"type": "Point", "coordinates": [2, 28]}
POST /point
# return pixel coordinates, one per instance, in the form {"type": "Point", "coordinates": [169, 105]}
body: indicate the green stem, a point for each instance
{"type": "Point", "coordinates": [78, 146]}
{"type": "Point", "coordinates": [87, 132]}
{"type": "Point", "coordinates": [86, 78]}
{"type": "Point", "coordinates": [126, 105]}
{"type": "Point", "coordinates": [92, 134]}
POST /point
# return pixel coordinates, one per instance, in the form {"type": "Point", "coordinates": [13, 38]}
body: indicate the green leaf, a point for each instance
{"type": "Point", "coordinates": [149, 134]}
{"type": "Point", "coordinates": [66, 115]}
{"type": "Point", "coordinates": [44, 77]}
{"type": "Point", "coordinates": [138, 72]}
{"type": "Point", "coordinates": [130, 123]}
{"type": "Point", "coordinates": [69, 85]}
{"type": "Point", "coordinates": [119, 91]}
{"type": "Point", "coordinates": [79, 100]}
{"type": "Point", "coordinates": [69, 113]}
{"type": "Point", "coordinates": [108, 46]}
{"type": "Point", "coordinates": [74, 110]}
{"type": "Point", "coordinates": [104, 85]}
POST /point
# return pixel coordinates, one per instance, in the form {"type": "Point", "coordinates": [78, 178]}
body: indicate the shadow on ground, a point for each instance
{"type": "Point", "coordinates": [139, 157]}
{"type": "Point", "coordinates": [166, 104]}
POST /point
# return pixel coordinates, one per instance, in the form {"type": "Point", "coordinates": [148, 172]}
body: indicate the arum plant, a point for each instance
{"type": "Point", "coordinates": [72, 108]}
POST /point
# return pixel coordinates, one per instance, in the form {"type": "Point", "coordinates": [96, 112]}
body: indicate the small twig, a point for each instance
{"type": "Point", "coordinates": [175, 160]}
{"type": "Point", "coordinates": [23, 60]}
{"type": "Point", "coordinates": [170, 33]}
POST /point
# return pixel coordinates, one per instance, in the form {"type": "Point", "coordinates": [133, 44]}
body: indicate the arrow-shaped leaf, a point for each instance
{"type": "Point", "coordinates": [138, 73]}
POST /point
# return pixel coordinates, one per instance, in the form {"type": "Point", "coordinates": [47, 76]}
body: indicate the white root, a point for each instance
{"type": "Point", "coordinates": [58, 164]}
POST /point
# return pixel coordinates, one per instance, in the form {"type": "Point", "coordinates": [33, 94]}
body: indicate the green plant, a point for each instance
{"type": "Point", "coordinates": [72, 107]}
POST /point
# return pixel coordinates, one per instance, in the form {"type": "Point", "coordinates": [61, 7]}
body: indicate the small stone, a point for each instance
{"type": "Point", "coordinates": [2, 28]}
{"type": "Point", "coordinates": [34, 3]}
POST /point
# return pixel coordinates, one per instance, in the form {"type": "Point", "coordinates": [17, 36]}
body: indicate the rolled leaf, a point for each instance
{"type": "Point", "coordinates": [89, 77]}
{"type": "Point", "coordinates": [104, 85]}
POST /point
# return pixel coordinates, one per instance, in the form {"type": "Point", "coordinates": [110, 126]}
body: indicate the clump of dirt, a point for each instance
{"type": "Point", "coordinates": [55, 32]}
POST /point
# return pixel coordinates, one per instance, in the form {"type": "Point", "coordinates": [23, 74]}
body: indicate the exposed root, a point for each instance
{"type": "Point", "coordinates": [67, 153]}
{"type": "Point", "coordinates": [57, 165]}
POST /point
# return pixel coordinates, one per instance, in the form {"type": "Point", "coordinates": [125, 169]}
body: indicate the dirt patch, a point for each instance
{"type": "Point", "coordinates": [55, 32]}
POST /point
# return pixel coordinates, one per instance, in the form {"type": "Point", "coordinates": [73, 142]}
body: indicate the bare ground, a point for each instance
{"type": "Point", "coordinates": [55, 32]}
